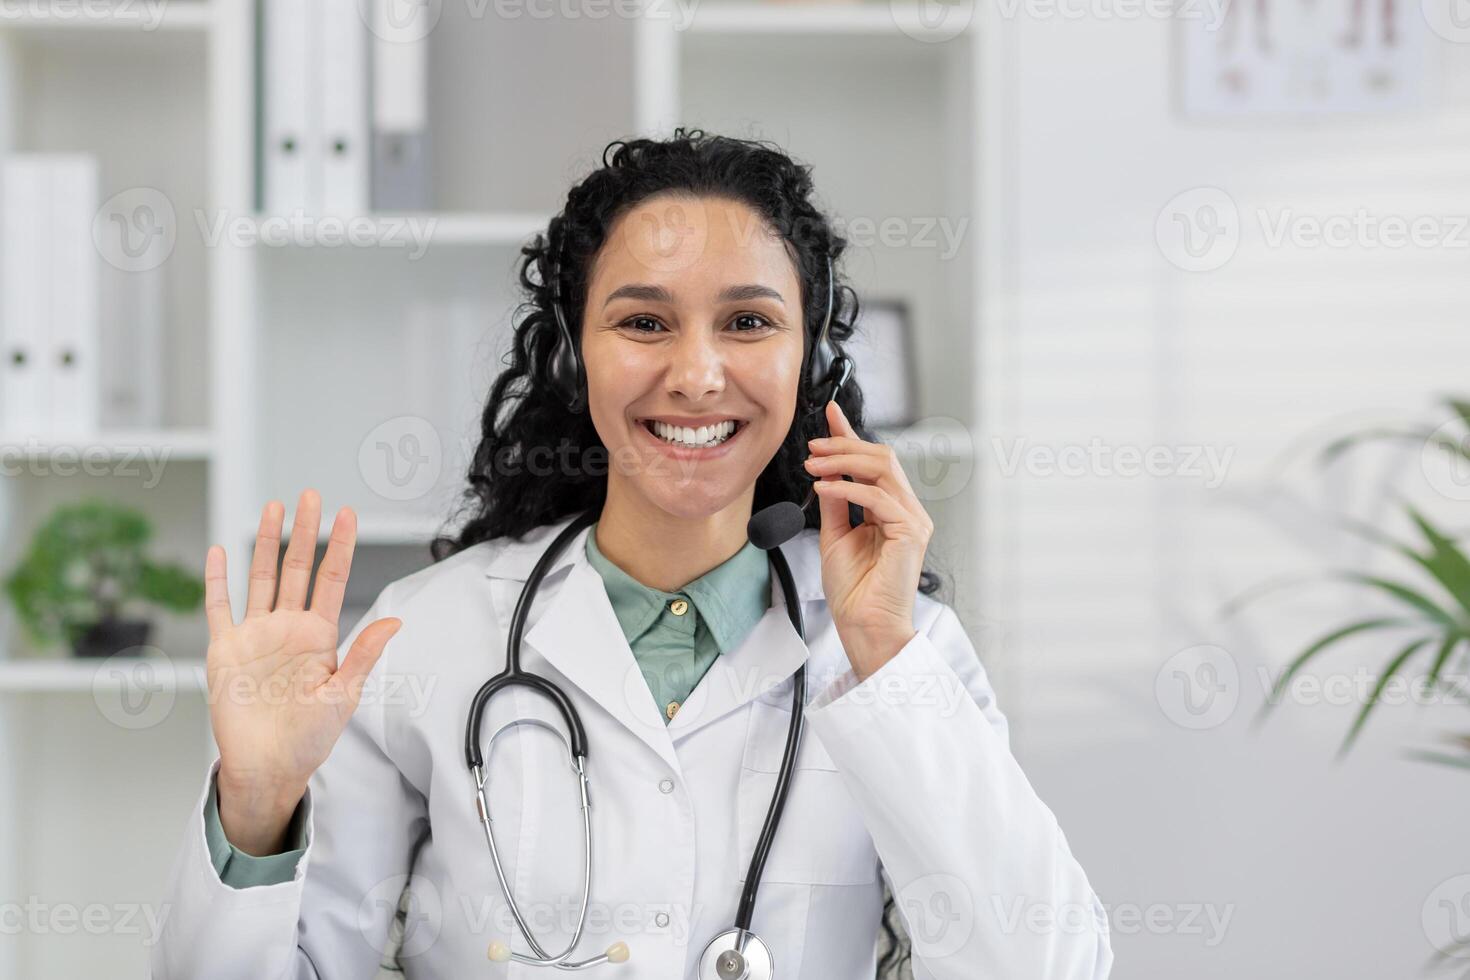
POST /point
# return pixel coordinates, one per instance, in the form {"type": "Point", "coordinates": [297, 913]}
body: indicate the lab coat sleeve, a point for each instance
{"type": "Point", "coordinates": [331, 919]}
{"type": "Point", "coordinates": [979, 868]}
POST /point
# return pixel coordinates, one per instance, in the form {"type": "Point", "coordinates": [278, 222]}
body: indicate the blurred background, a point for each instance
{"type": "Point", "coordinates": [1165, 310]}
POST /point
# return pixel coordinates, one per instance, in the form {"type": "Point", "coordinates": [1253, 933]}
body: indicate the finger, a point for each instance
{"type": "Point", "coordinates": [262, 593]}
{"type": "Point", "coordinates": [864, 467]}
{"type": "Point", "coordinates": [876, 502]}
{"type": "Point", "coordinates": [837, 423]}
{"type": "Point", "coordinates": [296, 569]}
{"type": "Point", "coordinates": [836, 522]}
{"type": "Point", "coordinates": [216, 592]}
{"type": "Point", "coordinates": [361, 657]}
{"type": "Point", "coordinates": [331, 574]}
{"type": "Point", "coordinates": [832, 445]}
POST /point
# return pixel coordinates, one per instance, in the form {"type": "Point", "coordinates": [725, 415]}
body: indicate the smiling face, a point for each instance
{"type": "Point", "coordinates": [692, 343]}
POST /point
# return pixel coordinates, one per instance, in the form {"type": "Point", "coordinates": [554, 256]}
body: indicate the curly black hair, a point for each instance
{"type": "Point", "coordinates": [508, 495]}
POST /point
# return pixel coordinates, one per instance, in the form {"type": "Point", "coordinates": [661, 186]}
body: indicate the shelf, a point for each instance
{"type": "Point", "coordinates": [85, 676]}
{"type": "Point", "coordinates": [175, 444]}
{"type": "Point", "coordinates": [84, 16]}
{"type": "Point", "coordinates": [871, 17]}
{"type": "Point", "coordinates": [410, 230]}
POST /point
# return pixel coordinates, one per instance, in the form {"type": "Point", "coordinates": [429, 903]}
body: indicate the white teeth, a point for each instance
{"type": "Point", "coordinates": [705, 435]}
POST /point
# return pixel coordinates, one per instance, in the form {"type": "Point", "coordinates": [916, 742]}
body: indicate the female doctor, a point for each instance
{"type": "Point", "coordinates": [662, 390]}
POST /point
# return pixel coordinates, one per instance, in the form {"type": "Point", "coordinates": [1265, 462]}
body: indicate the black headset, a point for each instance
{"type": "Point", "coordinates": [566, 378]}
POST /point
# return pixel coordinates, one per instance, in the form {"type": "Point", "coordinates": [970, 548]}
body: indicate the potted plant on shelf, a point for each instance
{"type": "Point", "coordinates": [85, 567]}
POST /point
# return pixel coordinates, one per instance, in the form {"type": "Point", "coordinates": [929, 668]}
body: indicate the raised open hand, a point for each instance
{"type": "Point", "coordinates": [279, 699]}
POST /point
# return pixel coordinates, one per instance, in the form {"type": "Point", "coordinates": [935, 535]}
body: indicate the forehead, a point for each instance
{"type": "Point", "coordinates": [670, 239]}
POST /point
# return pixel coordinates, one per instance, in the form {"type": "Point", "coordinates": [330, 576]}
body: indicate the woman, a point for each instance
{"type": "Point", "coordinates": [696, 274]}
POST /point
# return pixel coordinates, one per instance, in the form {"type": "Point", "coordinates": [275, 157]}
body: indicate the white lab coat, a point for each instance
{"type": "Point", "coordinates": [907, 775]}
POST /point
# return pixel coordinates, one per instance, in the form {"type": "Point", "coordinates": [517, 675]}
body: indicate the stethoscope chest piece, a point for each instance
{"type": "Point", "coordinates": [736, 955]}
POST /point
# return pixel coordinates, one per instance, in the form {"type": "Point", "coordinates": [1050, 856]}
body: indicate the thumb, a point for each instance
{"type": "Point", "coordinates": [362, 656]}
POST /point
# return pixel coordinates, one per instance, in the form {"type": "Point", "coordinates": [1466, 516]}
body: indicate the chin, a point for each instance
{"type": "Point", "coordinates": [693, 500]}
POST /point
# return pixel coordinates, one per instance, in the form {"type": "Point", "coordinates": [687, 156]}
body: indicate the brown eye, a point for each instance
{"type": "Point", "coordinates": [642, 324]}
{"type": "Point", "coordinates": [746, 318]}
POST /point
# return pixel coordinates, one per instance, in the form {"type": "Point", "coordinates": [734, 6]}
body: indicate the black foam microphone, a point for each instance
{"type": "Point", "coordinates": [774, 525]}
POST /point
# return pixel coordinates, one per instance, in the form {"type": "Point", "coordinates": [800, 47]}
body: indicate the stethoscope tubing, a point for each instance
{"type": "Point", "coordinates": [514, 674]}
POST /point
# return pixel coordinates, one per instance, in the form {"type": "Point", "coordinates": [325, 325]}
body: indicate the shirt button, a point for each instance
{"type": "Point", "coordinates": [665, 786]}
{"type": "Point", "coordinates": [671, 709]}
{"type": "Point", "coordinates": [678, 607]}
{"type": "Point", "coordinates": [661, 919]}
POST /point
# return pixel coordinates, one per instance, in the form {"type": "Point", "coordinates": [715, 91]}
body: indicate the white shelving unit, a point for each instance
{"type": "Point", "coordinates": [288, 363]}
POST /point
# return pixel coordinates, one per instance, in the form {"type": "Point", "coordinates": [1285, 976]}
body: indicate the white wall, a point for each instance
{"type": "Point", "coordinates": [1098, 580]}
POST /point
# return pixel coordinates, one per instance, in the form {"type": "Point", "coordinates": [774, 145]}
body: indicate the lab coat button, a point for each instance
{"type": "Point", "coordinates": [671, 709]}
{"type": "Point", "coordinates": [678, 607]}
{"type": "Point", "coordinates": [661, 919]}
{"type": "Point", "coordinates": [665, 786]}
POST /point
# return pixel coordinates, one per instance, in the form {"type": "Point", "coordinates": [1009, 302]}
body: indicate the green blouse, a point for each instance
{"type": "Point", "coordinates": [674, 636]}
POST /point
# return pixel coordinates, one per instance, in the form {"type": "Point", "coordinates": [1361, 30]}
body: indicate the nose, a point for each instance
{"type": "Point", "coordinates": [696, 367]}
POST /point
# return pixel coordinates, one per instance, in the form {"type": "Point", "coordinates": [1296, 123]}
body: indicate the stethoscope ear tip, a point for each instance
{"type": "Point", "coordinates": [617, 953]}
{"type": "Point", "coordinates": [498, 952]}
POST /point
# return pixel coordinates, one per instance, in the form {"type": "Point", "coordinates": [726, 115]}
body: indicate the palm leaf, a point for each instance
{"type": "Point", "coordinates": [1323, 643]}
{"type": "Point", "coordinates": [1388, 673]}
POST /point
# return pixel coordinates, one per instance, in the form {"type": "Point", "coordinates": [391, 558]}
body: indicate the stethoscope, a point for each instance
{"type": "Point", "coordinates": [737, 953]}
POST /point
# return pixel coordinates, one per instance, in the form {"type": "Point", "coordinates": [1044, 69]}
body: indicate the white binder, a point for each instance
{"type": "Point", "coordinates": [48, 295]}
{"type": "Point", "coordinates": [72, 277]}
{"type": "Point", "coordinates": [291, 149]}
{"type": "Point", "coordinates": [344, 99]}
{"type": "Point", "coordinates": [25, 300]}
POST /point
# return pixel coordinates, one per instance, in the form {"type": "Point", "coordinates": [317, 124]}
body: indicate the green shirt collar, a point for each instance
{"type": "Point", "coordinates": [731, 597]}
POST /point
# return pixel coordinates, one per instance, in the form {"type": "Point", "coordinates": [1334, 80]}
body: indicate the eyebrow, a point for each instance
{"type": "Point", "coordinates": [658, 294]}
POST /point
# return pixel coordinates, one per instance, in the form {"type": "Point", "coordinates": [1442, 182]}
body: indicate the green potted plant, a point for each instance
{"type": "Point", "coordinates": [1433, 604]}
{"type": "Point", "coordinates": [85, 567]}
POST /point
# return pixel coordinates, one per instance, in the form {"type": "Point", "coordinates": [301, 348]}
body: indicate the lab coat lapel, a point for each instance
{"type": "Point", "coordinates": [770, 653]}
{"type": "Point", "coordinates": [578, 634]}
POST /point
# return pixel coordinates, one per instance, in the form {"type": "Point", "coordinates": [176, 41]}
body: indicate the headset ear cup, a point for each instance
{"type": "Point", "coordinates": [566, 377]}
